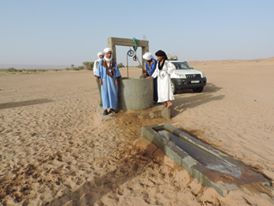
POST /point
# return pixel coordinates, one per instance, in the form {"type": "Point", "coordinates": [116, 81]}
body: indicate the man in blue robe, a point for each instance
{"type": "Point", "coordinates": [108, 74]}
{"type": "Point", "coordinates": [150, 68]}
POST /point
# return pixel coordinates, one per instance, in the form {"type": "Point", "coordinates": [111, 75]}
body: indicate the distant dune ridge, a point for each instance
{"type": "Point", "coordinates": [32, 66]}
{"type": "Point", "coordinates": [37, 66]}
{"type": "Point", "coordinates": [238, 60]}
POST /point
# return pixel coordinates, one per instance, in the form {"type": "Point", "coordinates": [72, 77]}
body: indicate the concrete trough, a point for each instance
{"type": "Point", "coordinates": [209, 165]}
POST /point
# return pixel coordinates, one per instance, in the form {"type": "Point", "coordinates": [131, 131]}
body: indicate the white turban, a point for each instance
{"type": "Point", "coordinates": [147, 56]}
{"type": "Point", "coordinates": [100, 54]}
{"type": "Point", "coordinates": [106, 50]}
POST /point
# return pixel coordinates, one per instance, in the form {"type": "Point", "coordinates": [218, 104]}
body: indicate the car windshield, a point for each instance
{"type": "Point", "coordinates": [181, 65]}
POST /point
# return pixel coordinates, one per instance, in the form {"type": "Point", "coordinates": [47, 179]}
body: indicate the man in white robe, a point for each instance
{"type": "Point", "coordinates": [163, 71]}
{"type": "Point", "coordinates": [100, 56]}
{"type": "Point", "coordinates": [96, 63]}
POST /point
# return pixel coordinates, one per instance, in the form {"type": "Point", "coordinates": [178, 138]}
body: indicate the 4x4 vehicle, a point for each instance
{"type": "Point", "coordinates": [186, 77]}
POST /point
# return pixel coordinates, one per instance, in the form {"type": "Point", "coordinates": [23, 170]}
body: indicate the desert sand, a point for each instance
{"type": "Point", "coordinates": [56, 149]}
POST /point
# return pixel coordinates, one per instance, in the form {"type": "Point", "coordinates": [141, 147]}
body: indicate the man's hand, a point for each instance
{"type": "Point", "coordinates": [144, 72]}
{"type": "Point", "coordinates": [116, 82]}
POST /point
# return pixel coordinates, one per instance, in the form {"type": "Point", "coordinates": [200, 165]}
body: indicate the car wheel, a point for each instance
{"type": "Point", "coordinates": [173, 88]}
{"type": "Point", "coordinates": [198, 89]}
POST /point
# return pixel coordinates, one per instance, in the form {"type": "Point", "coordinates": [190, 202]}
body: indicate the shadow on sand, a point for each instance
{"type": "Point", "coordinates": [209, 88]}
{"type": "Point", "coordinates": [24, 103]}
{"type": "Point", "coordinates": [183, 103]}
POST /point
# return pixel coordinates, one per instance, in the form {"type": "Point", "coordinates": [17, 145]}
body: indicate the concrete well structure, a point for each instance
{"type": "Point", "coordinates": [134, 94]}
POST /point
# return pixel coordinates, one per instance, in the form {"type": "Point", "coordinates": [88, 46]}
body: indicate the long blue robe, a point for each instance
{"type": "Point", "coordinates": [109, 89]}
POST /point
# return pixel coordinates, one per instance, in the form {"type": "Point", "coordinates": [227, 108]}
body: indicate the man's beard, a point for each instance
{"type": "Point", "coordinates": [108, 59]}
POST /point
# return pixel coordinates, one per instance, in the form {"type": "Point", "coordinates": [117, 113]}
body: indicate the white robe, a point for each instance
{"type": "Point", "coordinates": [164, 81]}
{"type": "Point", "coordinates": [96, 65]}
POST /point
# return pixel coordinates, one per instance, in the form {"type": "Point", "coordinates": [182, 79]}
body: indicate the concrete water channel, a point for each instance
{"type": "Point", "coordinates": [212, 167]}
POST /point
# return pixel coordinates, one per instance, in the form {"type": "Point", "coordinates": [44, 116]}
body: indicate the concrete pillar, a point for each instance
{"type": "Point", "coordinates": [111, 45]}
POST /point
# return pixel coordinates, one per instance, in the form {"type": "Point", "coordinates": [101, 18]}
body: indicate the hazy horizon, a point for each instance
{"type": "Point", "coordinates": [34, 66]}
{"type": "Point", "coordinates": [49, 66]}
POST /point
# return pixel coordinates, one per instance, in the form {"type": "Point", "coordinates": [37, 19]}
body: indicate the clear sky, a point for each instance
{"type": "Point", "coordinates": [64, 32]}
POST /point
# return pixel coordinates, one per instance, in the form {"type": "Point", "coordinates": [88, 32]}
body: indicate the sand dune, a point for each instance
{"type": "Point", "coordinates": [57, 149]}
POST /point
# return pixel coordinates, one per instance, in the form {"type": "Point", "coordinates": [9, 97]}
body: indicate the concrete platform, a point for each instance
{"type": "Point", "coordinates": [210, 166]}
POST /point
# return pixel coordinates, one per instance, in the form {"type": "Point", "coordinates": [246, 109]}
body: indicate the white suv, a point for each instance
{"type": "Point", "coordinates": [186, 77]}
